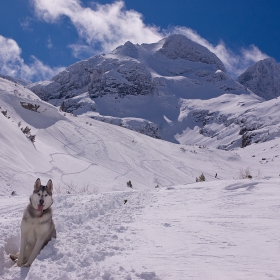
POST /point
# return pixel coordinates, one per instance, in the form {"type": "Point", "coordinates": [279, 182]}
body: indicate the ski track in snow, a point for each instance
{"type": "Point", "coordinates": [81, 155]}
{"type": "Point", "coordinates": [209, 230]}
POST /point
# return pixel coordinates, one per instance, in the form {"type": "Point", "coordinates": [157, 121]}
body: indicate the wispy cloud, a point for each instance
{"type": "Point", "coordinates": [49, 43]}
{"type": "Point", "coordinates": [26, 24]}
{"type": "Point", "coordinates": [12, 64]}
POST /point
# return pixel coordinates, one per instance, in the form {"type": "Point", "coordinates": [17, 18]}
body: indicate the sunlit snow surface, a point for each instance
{"type": "Point", "coordinates": [213, 230]}
{"type": "Point", "coordinates": [224, 228]}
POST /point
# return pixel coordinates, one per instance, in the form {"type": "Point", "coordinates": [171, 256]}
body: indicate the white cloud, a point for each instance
{"type": "Point", "coordinates": [106, 26]}
{"type": "Point", "coordinates": [12, 64]}
{"type": "Point", "coordinates": [253, 54]}
{"type": "Point", "coordinates": [49, 44]}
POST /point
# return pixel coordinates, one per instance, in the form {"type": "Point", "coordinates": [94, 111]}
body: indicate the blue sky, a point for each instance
{"type": "Point", "coordinates": [40, 37]}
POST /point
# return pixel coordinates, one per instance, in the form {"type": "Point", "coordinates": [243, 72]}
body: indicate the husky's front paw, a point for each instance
{"type": "Point", "coordinates": [14, 257]}
{"type": "Point", "coordinates": [26, 265]}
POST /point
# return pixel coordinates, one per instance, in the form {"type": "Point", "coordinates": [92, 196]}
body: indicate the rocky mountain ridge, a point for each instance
{"type": "Point", "coordinates": [146, 88]}
{"type": "Point", "coordinates": [138, 70]}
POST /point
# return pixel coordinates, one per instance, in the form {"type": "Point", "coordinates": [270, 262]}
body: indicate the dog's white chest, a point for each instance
{"type": "Point", "coordinates": [31, 236]}
{"type": "Point", "coordinates": [34, 230]}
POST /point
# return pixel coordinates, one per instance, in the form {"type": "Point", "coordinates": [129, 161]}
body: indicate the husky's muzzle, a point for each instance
{"type": "Point", "coordinates": [41, 205]}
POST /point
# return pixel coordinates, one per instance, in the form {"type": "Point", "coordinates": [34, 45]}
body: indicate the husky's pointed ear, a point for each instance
{"type": "Point", "coordinates": [37, 184]}
{"type": "Point", "coordinates": [50, 185]}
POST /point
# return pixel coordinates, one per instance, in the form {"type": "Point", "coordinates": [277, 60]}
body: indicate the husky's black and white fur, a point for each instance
{"type": "Point", "coordinates": [37, 226]}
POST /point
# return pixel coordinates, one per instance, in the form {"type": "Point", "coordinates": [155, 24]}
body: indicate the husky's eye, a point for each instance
{"type": "Point", "coordinates": [38, 194]}
{"type": "Point", "coordinates": [46, 195]}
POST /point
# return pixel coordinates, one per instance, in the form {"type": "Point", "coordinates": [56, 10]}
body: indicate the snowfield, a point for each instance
{"type": "Point", "coordinates": [89, 154]}
{"type": "Point", "coordinates": [210, 230]}
{"type": "Point", "coordinates": [165, 227]}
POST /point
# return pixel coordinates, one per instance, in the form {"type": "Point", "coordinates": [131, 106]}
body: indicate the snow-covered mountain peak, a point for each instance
{"type": "Point", "coordinates": [128, 50]}
{"type": "Point", "coordinates": [174, 64]}
{"type": "Point", "coordinates": [263, 78]}
{"type": "Point", "coordinates": [178, 46]}
{"type": "Point", "coordinates": [140, 81]}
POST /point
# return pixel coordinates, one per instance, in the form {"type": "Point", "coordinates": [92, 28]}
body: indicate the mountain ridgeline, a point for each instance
{"type": "Point", "coordinates": [158, 89]}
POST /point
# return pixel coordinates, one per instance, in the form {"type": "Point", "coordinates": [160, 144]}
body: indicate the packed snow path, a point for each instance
{"type": "Point", "coordinates": [210, 230]}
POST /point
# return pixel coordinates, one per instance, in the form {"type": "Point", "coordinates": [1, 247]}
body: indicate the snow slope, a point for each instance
{"type": "Point", "coordinates": [15, 80]}
{"type": "Point", "coordinates": [116, 154]}
{"type": "Point", "coordinates": [224, 228]}
{"type": "Point", "coordinates": [228, 121]}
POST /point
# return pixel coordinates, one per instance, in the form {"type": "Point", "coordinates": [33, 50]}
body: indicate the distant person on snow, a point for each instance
{"type": "Point", "coordinates": [216, 175]}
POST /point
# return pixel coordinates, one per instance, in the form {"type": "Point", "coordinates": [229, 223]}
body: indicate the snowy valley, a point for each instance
{"type": "Point", "coordinates": [158, 115]}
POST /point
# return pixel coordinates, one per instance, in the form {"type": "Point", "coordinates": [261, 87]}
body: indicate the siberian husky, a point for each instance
{"type": "Point", "coordinates": [37, 226]}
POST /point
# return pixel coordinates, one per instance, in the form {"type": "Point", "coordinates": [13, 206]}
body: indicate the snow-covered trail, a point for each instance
{"type": "Point", "coordinates": [226, 230]}
{"type": "Point", "coordinates": [209, 230]}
